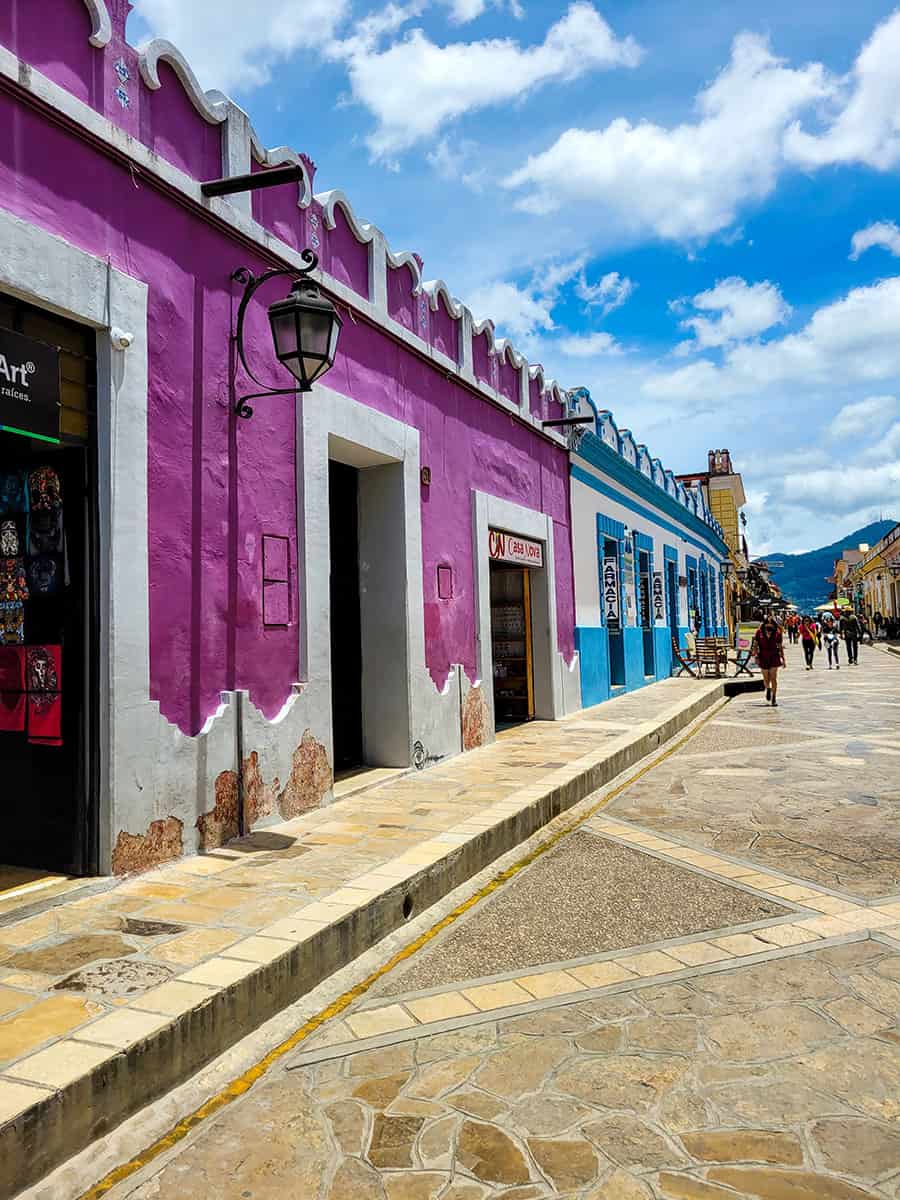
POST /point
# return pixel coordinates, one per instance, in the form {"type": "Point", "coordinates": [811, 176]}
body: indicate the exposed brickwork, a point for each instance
{"type": "Point", "coordinates": [221, 824]}
{"type": "Point", "coordinates": [163, 841]}
{"type": "Point", "coordinates": [474, 719]}
{"type": "Point", "coordinates": [310, 778]}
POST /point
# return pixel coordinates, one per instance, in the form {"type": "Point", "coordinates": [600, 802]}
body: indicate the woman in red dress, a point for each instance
{"type": "Point", "coordinates": [769, 648]}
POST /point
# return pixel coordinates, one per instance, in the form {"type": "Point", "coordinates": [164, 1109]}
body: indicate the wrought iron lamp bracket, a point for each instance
{"type": "Point", "coordinates": [251, 284]}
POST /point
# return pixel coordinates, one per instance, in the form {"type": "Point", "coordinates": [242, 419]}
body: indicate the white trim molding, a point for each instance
{"type": "Point", "coordinates": [101, 33]}
{"type": "Point", "coordinates": [211, 106]}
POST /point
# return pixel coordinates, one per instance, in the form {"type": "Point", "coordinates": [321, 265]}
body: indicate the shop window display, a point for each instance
{"type": "Point", "coordinates": [32, 593]}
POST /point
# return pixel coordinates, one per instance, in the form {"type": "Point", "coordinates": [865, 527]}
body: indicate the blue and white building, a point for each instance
{"type": "Point", "coordinates": [648, 558]}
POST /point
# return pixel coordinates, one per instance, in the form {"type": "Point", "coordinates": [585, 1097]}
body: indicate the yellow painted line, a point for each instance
{"type": "Point", "coordinates": [243, 1083]}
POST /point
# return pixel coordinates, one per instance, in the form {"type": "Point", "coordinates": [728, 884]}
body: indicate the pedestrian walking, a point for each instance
{"type": "Point", "coordinates": [832, 646]}
{"type": "Point", "coordinates": [768, 649]}
{"type": "Point", "coordinates": [850, 631]}
{"type": "Point", "coordinates": [809, 637]}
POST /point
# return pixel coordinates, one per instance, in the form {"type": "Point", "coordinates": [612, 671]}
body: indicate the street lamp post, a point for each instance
{"type": "Point", "coordinates": [305, 329]}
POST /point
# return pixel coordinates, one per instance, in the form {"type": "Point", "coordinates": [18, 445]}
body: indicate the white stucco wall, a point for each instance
{"type": "Point", "coordinates": [586, 504]}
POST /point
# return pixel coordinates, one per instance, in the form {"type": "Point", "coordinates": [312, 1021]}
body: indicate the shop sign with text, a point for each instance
{"type": "Point", "coordinates": [659, 603]}
{"type": "Point", "coordinates": [29, 386]}
{"type": "Point", "coordinates": [506, 547]}
{"type": "Point", "coordinates": [611, 608]}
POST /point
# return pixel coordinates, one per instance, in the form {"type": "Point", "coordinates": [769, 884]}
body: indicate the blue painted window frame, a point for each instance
{"type": "Point", "coordinates": [608, 527]}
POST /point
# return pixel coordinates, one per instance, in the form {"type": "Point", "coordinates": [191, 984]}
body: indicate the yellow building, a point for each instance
{"type": "Point", "coordinates": [873, 583]}
{"type": "Point", "coordinates": [723, 489]}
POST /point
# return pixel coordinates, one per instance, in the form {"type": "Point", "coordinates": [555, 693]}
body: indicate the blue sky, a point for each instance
{"type": "Point", "coordinates": [690, 208]}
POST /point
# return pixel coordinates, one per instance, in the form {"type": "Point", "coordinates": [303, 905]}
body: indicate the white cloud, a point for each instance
{"type": "Point", "coordinates": [517, 310]}
{"type": "Point", "coordinates": [589, 345]}
{"type": "Point", "coordinates": [843, 488]}
{"type": "Point", "coordinates": [687, 181]}
{"type": "Point", "coordinates": [415, 87]}
{"type": "Point", "coordinates": [609, 293]}
{"type": "Point", "coordinates": [886, 448]}
{"type": "Point", "coordinates": [882, 233]}
{"type": "Point", "coordinates": [865, 117]}
{"type": "Point", "coordinates": [855, 340]}
{"type": "Point", "coordinates": [869, 417]}
{"type": "Point", "coordinates": [463, 11]}
{"type": "Point", "coordinates": [742, 310]}
{"type": "Point", "coordinates": [233, 45]}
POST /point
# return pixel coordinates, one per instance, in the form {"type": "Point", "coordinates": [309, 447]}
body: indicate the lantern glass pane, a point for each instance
{"type": "Point", "coordinates": [284, 331]}
{"type": "Point", "coordinates": [315, 332]}
{"type": "Point", "coordinates": [332, 348]}
{"type": "Point", "coordinates": [314, 367]}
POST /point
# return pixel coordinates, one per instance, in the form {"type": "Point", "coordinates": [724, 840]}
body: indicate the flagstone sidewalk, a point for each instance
{"type": "Point", "coordinates": [111, 998]}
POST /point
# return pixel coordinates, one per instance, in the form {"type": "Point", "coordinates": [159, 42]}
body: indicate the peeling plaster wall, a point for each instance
{"type": "Point", "coordinates": [216, 485]}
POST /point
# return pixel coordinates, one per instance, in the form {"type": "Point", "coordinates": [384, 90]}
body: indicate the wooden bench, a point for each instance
{"type": "Point", "coordinates": [712, 656]}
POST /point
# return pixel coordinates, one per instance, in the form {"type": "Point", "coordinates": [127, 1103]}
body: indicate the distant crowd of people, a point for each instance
{"type": "Point", "coordinates": [812, 633]}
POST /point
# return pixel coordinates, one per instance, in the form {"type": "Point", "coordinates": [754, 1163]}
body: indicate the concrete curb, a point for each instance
{"type": "Point", "coordinates": [64, 1119]}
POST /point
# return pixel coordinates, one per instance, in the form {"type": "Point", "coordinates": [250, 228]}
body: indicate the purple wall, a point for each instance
{"type": "Point", "coordinates": [217, 484]}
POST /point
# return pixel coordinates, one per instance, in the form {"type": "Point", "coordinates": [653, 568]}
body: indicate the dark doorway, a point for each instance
{"type": "Point", "coordinates": [48, 742]}
{"type": "Point", "coordinates": [511, 648]}
{"type": "Point", "coordinates": [672, 597]}
{"type": "Point", "coordinates": [346, 641]}
{"type": "Point", "coordinates": [645, 613]}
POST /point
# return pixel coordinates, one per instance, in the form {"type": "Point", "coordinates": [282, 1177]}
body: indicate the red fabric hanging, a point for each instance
{"type": "Point", "coordinates": [43, 679]}
{"type": "Point", "coordinates": [12, 689]}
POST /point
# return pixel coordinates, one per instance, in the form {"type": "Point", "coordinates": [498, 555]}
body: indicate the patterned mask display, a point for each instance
{"type": "Point", "coordinates": [9, 539]}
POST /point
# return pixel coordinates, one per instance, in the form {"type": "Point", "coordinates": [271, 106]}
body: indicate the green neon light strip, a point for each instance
{"type": "Point", "coordinates": [24, 433]}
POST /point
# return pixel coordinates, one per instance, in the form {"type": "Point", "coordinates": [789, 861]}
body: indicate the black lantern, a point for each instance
{"type": "Point", "coordinates": [305, 329]}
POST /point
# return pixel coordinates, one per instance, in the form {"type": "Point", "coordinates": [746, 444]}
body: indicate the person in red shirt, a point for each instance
{"type": "Point", "coordinates": [768, 647]}
{"type": "Point", "coordinates": [809, 637]}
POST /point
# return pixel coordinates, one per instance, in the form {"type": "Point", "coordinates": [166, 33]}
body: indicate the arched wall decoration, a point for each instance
{"type": "Point", "coordinates": [102, 25]}
{"type": "Point", "coordinates": [404, 258]}
{"type": "Point", "coordinates": [361, 230]}
{"type": "Point", "coordinates": [435, 288]}
{"type": "Point", "coordinates": [278, 157]}
{"type": "Point", "coordinates": [159, 50]}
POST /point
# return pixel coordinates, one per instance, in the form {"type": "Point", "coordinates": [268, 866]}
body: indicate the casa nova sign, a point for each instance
{"type": "Point", "coordinates": [506, 547]}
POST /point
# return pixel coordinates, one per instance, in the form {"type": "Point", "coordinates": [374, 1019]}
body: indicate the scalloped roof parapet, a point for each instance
{"type": "Point", "coordinates": [363, 231]}
{"type": "Point", "coordinates": [405, 258]}
{"type": "Point", "coordinates": [436, 288]}
{"type": "Point", "coordinates": [620, 441]}
{"type": "Point", "coordinates": [212, 107]}
{"type": "Point", "coordinates": [101, 33]}
{"type": "Point", "coordinates": [216, 108]}
{"type": "Point", "coordinates": [277, 157]}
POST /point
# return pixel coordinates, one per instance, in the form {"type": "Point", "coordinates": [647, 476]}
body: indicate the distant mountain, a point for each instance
{"type": "Point", "coordinates": [804, 577]}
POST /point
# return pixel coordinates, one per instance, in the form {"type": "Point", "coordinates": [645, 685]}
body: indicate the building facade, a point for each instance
{"type": "Point", "coordinates": [870, 577]}
{"type": "Point", "coordinates": [723, 492]}
{"type": "Point", "coordinates": [224, 612]}
{"type": "Point", "coordinates": [648, 556]}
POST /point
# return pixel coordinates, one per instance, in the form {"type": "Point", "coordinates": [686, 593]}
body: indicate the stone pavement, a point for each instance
{"type": "Point", "coordinates": [811, 788]}
{"type": "Point", "coordinates": [746, 1044]}
{"type": "Point", "coordinates": [110, 998]}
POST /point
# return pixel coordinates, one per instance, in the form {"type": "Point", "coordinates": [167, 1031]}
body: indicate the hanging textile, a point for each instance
{"type": "Point", "coordinates": [12, 535]}
{"type": "Point", "coordinates": [43, 682]}
{"type": "Point", "coordinates": [13, 492]}
{"type": "Point", "coordinates": [12, 689]}
{"type": "Point", "coordinates": [45, 575]}
{"type": "Point", "coordinates": [45, 526]}
{"type": "Point", "coordinates": [13, 591]}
